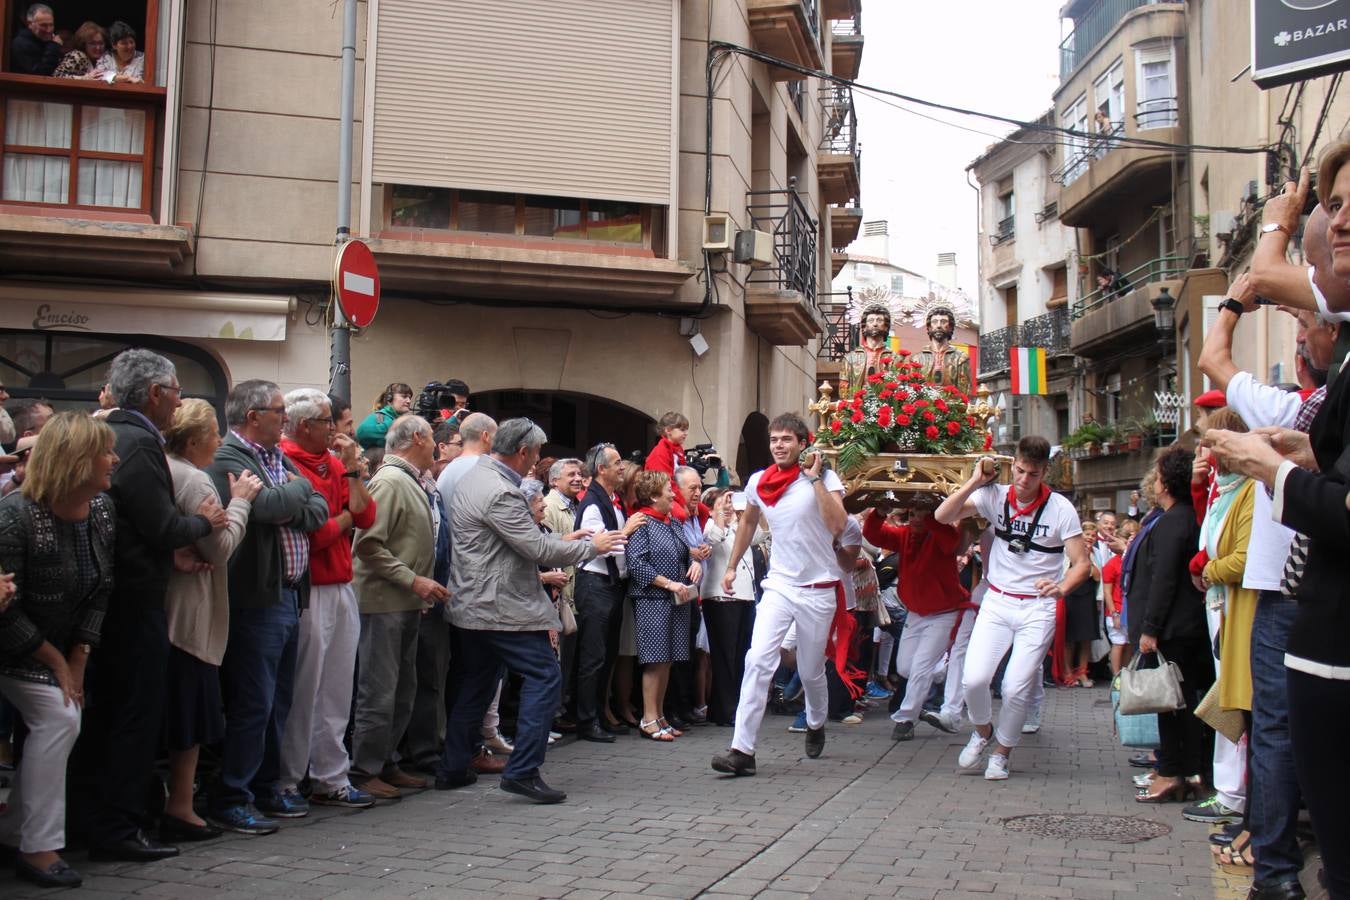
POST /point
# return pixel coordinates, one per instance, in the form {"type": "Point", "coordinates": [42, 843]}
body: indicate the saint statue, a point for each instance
{"type": "Point", "coordinates": [866, 359]}
{"type": "Point", "coordinates": [942, 363]}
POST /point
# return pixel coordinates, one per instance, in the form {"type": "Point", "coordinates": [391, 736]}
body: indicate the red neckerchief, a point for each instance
{"type": "Point", "coordinates": [774, 482]}
{"type": "Point", "coordinates": [318, 462]}
{"type": "Point", "coordinates": [1015, 512]}
{"type": "Point", "coordinates": [653, 514]}
{"type": "Point", "coordinates": [675, 450]}
{"type": "Point", "coordinates": [618, 503]}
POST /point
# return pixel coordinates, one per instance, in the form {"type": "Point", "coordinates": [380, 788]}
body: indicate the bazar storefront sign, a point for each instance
{"type": "Point", "coordinates": [182, 314]}
{"type": "Point", "coordinates": [1297, 39]}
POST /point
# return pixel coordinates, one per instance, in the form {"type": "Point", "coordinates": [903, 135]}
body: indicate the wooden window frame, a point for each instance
{"type": "Point", "coordinates": [12, 10]}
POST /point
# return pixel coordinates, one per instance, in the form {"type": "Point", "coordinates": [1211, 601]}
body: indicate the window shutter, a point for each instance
{"type": "Point", "coordinates": [571, 99]}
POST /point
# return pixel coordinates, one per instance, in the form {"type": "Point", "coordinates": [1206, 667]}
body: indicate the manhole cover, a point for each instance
{"type": "Point", "coordinates": [1121, 829]}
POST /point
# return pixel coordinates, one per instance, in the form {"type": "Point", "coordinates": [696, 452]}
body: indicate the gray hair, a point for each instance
{"type": "Point", "coordinates": [132, 373]}
{"type": "Point", "coordinates": [473, 426]}
{"type": "Point", "coordinates": [305, 403]}
{"type": "Point", "coordinates": [245, 397]}
{"type": "Point", "coordinates": [595, 457]}
{"type": "Point", "coordinates": [406, 427]}
{"type": "Point", "coordinates": [680, 470]}
{"type": "Point", "coordinates": [555, 471]}
{"type": "Point", "coordinates": [35, 9]}
{"type": "Point", "coordinates": [515, 435]}
{"type": "Point", "coordinates": [531, 488]}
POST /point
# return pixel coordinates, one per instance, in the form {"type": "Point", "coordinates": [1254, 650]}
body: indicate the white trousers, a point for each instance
{"type": "Point", "coordinates": [812, 610]}
{"type": "Point", "coordinates": [1230, 759]}
{"type": "Point", "coordinates": [35, 818]}
{"type": "Point", "coordinates": [954, 691]}
{"type": "Point", "coordinates": [1028, 626]}
{"type": "Point", "coordinates": [322, 699]}
{"type": "Point", "coordinates": [922, 645]}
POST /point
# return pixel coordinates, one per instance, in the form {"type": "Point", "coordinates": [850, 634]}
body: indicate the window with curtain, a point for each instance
{"type": "Point", "coordinates": [1156, 104]}
{"type": "Point", "coordinates": [50, 146]}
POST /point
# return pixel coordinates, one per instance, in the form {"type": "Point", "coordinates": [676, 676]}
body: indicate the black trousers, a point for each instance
{"type": "Point", "coordinates": [1317, 715]}
{"type": "Point", "coordinates": [730, 623]}
{"type": "Point", "coordinates": [114, 758]}
{"type": "Point", "coordinates": [599, 617]}
{"type": "Point", "coordinates": [1186, 744]}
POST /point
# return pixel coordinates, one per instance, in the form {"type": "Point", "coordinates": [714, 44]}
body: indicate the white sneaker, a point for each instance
{"type": "Point", "coordinates": [1033, 722]}
{"type": "Point", "coordinates": [997, 769]}
{"type": "Point", "coordinates": [974, 749]}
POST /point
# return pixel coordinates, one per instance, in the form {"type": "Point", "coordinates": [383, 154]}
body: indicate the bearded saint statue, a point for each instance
{"type": "Point", "coordinates": [942, 363]}
{"type": "Point", "coordinates": [866, 359]}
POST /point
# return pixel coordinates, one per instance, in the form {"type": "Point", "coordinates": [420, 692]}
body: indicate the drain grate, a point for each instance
{"type": "Point", "coordinates": [1121, 829]}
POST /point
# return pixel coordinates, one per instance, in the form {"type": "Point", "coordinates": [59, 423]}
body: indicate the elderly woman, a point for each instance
{"type": "Point", "coordinates": [621, 692]}
{"type": "Point", "coordinates": [658, 583]}
{"type": "Point", "coordinates": [124, 64]}
{"type": "Point", "coordinates": [56, 539]}
{"type": "Point", "coordinates": [1170, 621]}
{"type": "Point", "coordinates": [198, 608]}
{"type": "Point", "coordinates": [396, 400]}
{"type": "Point", "coordinates": [86, 50]}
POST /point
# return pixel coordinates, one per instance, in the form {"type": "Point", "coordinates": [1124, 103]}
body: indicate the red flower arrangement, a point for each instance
{"type": "Point", "coordinates": [899, 409]}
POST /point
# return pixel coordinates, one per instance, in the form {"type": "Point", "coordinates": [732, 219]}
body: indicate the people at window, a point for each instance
{"type": "Point", "coordinates": [88, 47]}
{"type": "Point", "coordinates": [36, 50]}
{"type": "Point", "coordinates": [123, 64]}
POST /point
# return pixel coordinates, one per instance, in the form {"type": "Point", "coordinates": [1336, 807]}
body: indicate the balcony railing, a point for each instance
{"type": "Point", "coordinates": [1003, 233]}
{"type": "Point", "coordinates": [841, 336]}
{"type": "Point", "coordinates": [812, 8]}
{"type": "Point", "coordinates": [796, 91]}
{"type": "Point", "coordinates": [1160, 112]}
{"type": "Point", "coordinates": [841, 122]}
{"type": "Point", "coordinates": [1050, 331]}
{"type": "Point", "coordinates": [1080, 152]}
{"type": "Point", "coordinates": [1090, 29]}
{"type": "Point", "coordinates": [1160, 269]}
{"type": "Point", "coordinates": [784, 215]}
{"type": "Point", "coordinates": [847, 27]}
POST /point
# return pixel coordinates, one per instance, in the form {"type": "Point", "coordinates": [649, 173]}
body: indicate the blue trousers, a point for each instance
{"type": "Point", "coordinates": [481, 654]}
{"type": "Point", "coordinates": [1273, 795]}
{"type": "Point", "coordinates": [256, 677]}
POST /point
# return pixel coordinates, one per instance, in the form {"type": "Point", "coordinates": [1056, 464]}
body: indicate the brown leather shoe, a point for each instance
{"type": "Point", "coordinates": [380, 789]}
{"type": "Point", "coordinates": [401, 779]}
{"type": "Point", "coordinates": [487, 764]}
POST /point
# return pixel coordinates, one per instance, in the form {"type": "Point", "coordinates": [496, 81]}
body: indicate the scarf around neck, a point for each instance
{"type": "Point", "coordinates": [774, 482]}
{"type": "Point", "coordinates": [651, 513]}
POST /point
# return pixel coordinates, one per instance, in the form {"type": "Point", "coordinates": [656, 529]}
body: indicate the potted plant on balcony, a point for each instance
{"type": "Point", "coordinates": [1132, 430]}
{"type": "Point", "coordinates": [1088, 437]}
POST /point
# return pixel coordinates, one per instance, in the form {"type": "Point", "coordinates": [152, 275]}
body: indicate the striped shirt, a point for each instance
{"type": "Point", "coordinates": [294, 543]}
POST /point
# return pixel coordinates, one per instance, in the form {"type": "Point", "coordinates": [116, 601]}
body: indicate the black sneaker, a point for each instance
{"type": "Point", "coordinates": [734, 762]}
{"type": "Point", "coordinates": [903, 731]}
{"type": "Point", "coordinates": [533, 789]}
{"type": "Point", "coordinates": [815, 741]}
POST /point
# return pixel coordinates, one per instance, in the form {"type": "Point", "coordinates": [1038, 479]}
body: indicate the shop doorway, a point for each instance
{"type": "Point", "coordinates": [573, 422]}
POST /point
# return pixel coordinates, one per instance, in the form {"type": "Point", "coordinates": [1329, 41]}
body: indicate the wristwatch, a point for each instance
{"type": "Point", "coordinates": [814, 479]}
{"type": "Point", "coordinates": [1233, 306]}
{"type": "Point", "coordinates": [1275, 226]}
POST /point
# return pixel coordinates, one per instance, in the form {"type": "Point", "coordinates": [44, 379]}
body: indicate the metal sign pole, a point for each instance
{"type": "Point", "coordinates": [340, 357]}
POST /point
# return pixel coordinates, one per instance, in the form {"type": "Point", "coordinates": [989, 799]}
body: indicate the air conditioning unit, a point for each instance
{"type": "Point", "coordinates": [754, 247]}
{"type": "Point", "coordinates": [1221, 224]}
{"type": "Point", "coordinates": [718, 232]}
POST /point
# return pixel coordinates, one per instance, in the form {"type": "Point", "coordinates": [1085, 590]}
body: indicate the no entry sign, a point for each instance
{"type": "Point", "coordinates": [356, 281]}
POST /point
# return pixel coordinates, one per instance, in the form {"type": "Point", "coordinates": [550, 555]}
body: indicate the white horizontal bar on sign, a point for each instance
{"type": "Point", "coordinates": [360, 284]}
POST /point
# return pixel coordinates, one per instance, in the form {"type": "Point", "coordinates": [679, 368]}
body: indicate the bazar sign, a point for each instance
{"type": "Point", "coordinates": [1293, 40]}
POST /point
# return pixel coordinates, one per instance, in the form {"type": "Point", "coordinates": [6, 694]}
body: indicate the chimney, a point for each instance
{"type": "Point", "coordinates": [946, 270]}
{"type": "Point", "coordinates": [875, 240]}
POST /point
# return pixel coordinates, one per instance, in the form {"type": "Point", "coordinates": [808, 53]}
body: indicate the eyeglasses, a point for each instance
{"type": "Point", "coordinates": [279, 410]}
{"type": "Point", "coordinates": [169, 387]}
{"type": "Point", "coordinates": [322, 421]}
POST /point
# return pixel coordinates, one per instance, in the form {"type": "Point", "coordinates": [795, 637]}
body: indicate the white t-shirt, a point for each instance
{"type": "Point", "coordinates": [1260, 405]}
{"type": "Point", "coordinates": [803, 548]}
{"type": "Point", "coordinates": [1017, 573]}
{"type": "Point", "coordinates": [851, 536]}
{"type": "Point", "coordinates": [592, 519]}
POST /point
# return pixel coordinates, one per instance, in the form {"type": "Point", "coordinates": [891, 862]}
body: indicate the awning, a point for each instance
{"type": "Point", "coordinates": [40, 306]}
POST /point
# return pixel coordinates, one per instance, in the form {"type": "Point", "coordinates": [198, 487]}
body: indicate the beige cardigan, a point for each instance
{"type": "Point", "coordinates": [198, 604]}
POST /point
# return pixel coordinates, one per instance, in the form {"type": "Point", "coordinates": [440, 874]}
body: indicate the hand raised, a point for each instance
{"type": "Point", "coordinates": [1286, 208]}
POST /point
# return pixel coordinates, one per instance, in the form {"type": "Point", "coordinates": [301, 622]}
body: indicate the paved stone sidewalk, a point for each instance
{"type": "Point", "coordinates": [871, 818]}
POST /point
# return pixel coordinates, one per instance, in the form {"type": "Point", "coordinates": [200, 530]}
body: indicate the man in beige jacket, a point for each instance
{"type": "Point", "coordinates": [394, 562]}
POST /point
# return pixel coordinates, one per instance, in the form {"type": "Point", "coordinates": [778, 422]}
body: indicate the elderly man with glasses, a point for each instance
{"type": "Point", "coordinates": [269, 585]}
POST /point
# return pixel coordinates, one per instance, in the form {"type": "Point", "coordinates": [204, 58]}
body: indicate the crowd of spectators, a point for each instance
{"type": "Point", "coordinates": [90, 52]}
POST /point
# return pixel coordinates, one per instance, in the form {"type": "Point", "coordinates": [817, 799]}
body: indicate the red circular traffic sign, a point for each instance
{"type": "Point", "coordinates": [356, 280]}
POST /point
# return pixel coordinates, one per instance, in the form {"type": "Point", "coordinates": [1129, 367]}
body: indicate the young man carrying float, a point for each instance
{"type": "Point", "coordinates": [805, 511]}
{"type": "Point", "coordinates": [1033, 531]}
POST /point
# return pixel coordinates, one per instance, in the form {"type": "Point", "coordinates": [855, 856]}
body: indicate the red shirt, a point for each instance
{"type": "Point", "coordinates": [330, 550]}
{"type": "Point", "coordinates": [1111, 576]}
{"type": "Point", "coordinates": [666, 457]}
{"type": "Point", "coordinates": [929, 581]}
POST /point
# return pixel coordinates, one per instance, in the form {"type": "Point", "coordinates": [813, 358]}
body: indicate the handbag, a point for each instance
{"type": "Point", "coordinates": [1151, 690]}
{"type": "Point", "coordinates": [1140, 732]}
{"type": "Point", "coordinates": [568, 616]}
{"type": "Point", "coordinates": [1227, 722]}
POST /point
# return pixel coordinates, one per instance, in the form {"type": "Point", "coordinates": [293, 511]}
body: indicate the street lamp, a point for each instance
{"type": "Point", "coordinates": [1164, 313]}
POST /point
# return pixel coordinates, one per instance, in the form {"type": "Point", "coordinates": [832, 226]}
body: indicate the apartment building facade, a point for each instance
{"type": "Point", "coordinates": [532, 178]}
{"type": "Point", "coordinates": [1027, 283]}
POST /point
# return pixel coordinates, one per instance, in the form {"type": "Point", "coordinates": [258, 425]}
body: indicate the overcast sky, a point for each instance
{"type": "Point", "coordinates": [991, 55]}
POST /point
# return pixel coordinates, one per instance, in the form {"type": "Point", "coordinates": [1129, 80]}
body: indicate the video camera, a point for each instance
{"type": "Point", "coordinates": [435, 397]}
{"type": "Point", "coordinates": [702, 457]}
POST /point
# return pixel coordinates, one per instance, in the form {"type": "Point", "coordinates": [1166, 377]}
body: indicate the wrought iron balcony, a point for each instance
{"type": "Point", "coordinates": [1090, 29]}
{"type": "Point", "coordinates": [841, 336]}
{"type": "Point", "coordinates": [1161, 269]}
{"type": "Point", "coordinates": [1051, 331]}
{"type": "Point", "coordinates": [846, 43]}
{"type": "Point", "coordinates": [784, 215]}
{"type": "Point", "coordinates": [1003, 232]}
{"type": "Point", "coordinates": [1160, 112]}
{"type": "Point", "coordinates": [839, 167]}
{"type": "Point", "coordinates": [1080, 152]}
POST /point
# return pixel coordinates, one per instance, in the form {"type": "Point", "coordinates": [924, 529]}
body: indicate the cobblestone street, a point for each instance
{"type": "Point", "coordinates": [871, 818]}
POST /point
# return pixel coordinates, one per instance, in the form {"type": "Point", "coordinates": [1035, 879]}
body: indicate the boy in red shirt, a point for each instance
{"type": "Point", "coordinates": [930, 587]}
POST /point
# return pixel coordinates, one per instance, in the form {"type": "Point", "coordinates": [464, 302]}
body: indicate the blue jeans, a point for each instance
{"type": "Point", "coordinates": [256, 678]}
{"type": "Point", "coordinates": [481, 654]}
{"type": "Point", "coordinates": [1273, 795]}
